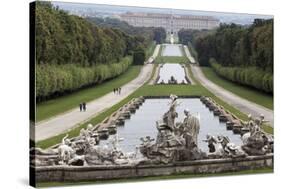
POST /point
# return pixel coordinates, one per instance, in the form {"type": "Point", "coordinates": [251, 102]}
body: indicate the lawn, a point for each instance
{"type": "Point", "coordinates": [171, 59]}
{"type": "Point", "coordinates": [248, 93]}
{"type": "Point", "coordinates": [59, 105]}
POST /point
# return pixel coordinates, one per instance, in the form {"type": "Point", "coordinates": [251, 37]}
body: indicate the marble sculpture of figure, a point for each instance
{"type": "Point", "coordinates": [173, 143]}
{"type": "Point", "coordinates": [192, 125]}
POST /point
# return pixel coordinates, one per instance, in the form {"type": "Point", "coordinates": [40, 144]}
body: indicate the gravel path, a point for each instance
{"type": "Point", "coordinates": [241, 104]}
{"type": "Point", "coordinates": [68, 120]}
{"type": "Point", "coordinates": [188, 54]}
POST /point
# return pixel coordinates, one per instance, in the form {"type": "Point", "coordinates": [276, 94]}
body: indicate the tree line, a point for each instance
{"type": "Point", "coordinates": [73, 52]}
{"type": "Point", "coordinates": [145, 34]}
{"type": "Point", "coordinates": [236, 48]}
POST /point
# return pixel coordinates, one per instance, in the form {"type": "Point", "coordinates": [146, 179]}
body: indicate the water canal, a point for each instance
{"type": "Point", "coordinates": [143, 123]}
{"type": "Point", "coordinates": [168, 70]}
{"type": "Point", "coordinates": [171, 50]}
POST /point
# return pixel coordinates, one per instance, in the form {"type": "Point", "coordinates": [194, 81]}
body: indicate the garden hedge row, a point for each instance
{"type": "Point", "coordinates": [54, 79]}
{"type": "Point", "coordinates": [250, 76]}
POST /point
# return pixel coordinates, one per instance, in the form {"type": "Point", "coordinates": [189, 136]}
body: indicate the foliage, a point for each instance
{"type": "Point", "coordinates": [249, 93]}
{"type": "Point", "coordinates": [159, 35]}
{"type": "Point", "coordinates": [186, 36]}
{"type": "Point", "coordinates": [244, 54]}
{"type": "Point", "coordinates": [250, 76]}
{"type": "Point", "coordinates": [139, 56]}
{"type": "Point", "coordinates": [54, 80]}
{"type": "Point", "coordinates": [234, 45]}
{"type": "Point", "coordinates": [144, 33]}
{"type": "Point", "coordinates": [73, 53]}
{"type": "Point", "coordinates": [65, 103]}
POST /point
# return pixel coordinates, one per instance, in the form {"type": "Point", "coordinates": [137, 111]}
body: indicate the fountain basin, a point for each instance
{"type": "Point", "coordinates": [107, 172]}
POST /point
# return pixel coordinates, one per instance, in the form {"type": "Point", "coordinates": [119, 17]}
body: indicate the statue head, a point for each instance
{"type": "Point", "coordinates": [250, 116]}
{"type": "Point", "coordinates": [173, 97]}
{"type": "Point", "coordinates": [186, 112]}
{"type": "Point", "coordinates": [67, 141]}
{"type": "Point", "coordinates": [90, 126]}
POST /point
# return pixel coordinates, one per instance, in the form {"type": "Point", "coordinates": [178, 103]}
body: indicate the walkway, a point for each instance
{"type": "Point", "coordinates": [155, 54]}
{"type": "Point", "coordinates": [188, 54]}
{"type": "Point", "coordinates": [64, 122]}
{"type": "Point", "coordinates": [241, 104]}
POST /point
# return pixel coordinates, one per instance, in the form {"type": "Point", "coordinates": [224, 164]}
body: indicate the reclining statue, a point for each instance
{"type": "Point", "coordinates": [221, 147]}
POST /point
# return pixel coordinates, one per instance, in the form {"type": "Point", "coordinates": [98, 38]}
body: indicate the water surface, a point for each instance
{"type": "Point", "coordinates": [143, 123]}
{"type": "Point", "coordinates": [169, 70]}
{"type": "Point", "coordinates": [171, 50]}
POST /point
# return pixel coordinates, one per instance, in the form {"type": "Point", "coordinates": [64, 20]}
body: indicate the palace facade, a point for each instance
{"type": "Point", "coordinates": [172, 23]}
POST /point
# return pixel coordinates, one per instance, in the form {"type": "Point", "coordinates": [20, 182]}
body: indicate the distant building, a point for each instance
{"type": "Point", "coordinates": [172, 23]}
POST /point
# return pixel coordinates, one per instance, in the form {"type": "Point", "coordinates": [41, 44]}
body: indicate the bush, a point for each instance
{"type": "Point", "coordinates": [249, 76]}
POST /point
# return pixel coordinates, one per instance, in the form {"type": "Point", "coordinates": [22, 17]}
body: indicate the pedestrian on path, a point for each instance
{"type": "Point", "coordinates": [84, 106]}
{"type": "Point", "coordinates": [81, 107]}
{"type": "Point", "coordinates": [119, 90]}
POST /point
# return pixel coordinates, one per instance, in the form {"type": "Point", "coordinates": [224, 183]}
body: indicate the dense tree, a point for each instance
{"type": "Point", "coordinates": [146, 34]}
{"type": "Point", "coordinates": [159, 35]}
{"type": "Point", "coordinates": [139, 56]}
{"type": "Point", "coordinates": [233, 46]}
{"type": "Point", "coordinates": [72, 53]}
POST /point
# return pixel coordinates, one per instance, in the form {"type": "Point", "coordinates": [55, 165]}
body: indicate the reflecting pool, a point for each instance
{"type": "Point", "coordinates": [171, 50]}
{"type": "Point", "coordinates": [168, 70]}
{"type": "Point", "coordinates": [143, 123]}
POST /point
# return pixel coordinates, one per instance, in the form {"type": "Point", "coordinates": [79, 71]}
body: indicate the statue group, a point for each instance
{"type": "Point", "coordinates": [174, 142]}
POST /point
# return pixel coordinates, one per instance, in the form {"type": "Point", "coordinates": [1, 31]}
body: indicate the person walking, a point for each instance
{"type": "Point", "coordinates": [119, 90]}
{"type": "Point", "coordinates": [81, 107]}
{"type": "Point", "coordinates": [114, 90]}
{"type": "Point", "coordinates": [84, 106]}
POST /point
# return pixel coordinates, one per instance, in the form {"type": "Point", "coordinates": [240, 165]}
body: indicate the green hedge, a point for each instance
{"type": "Point", "coordinates": [250, 76]}
{"type": "Point", "coordinates": [139, 56]}
{"type": "Point", "coordinates": [58, 79]}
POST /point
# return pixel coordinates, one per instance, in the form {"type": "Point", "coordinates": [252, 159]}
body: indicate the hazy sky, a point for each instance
{"type": "Point", "coordinates": [185, 8]}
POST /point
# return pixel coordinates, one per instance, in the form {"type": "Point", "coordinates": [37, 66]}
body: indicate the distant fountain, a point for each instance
{"type": "Point", "coordinates": [172, 38]}
{"type": "Point", "coordinates": [172, 80]}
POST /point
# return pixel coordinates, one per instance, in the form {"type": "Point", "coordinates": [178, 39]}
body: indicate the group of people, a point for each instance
{"type": "Point", "coordinates": [83, 106]}
{"type": "Point", "coordinates": [117, 90]}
